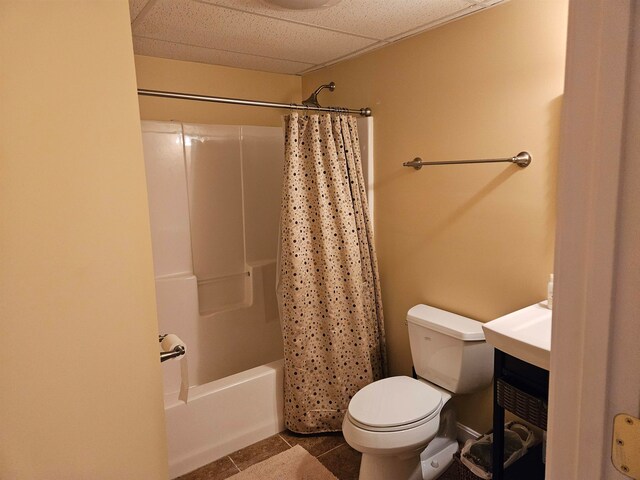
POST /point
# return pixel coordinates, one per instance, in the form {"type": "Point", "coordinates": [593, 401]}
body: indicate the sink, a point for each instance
{"type": "Point", "coordinates": [524, 334]}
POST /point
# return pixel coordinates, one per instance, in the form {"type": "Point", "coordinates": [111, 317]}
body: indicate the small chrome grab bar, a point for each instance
{"type": "Point", "coordinates": [176, 352]}
{"type": "Point", "coordinates": [523, 159]}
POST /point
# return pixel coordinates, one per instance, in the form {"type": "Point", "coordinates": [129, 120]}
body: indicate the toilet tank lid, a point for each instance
{"type": "Point", "coordinates": [448, 323]}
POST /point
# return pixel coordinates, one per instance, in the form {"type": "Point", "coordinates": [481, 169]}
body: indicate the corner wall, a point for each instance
{"type": "Point", "coordinates": [81, 392]}
{"type": "Point", "coordinates": [474, 239]}
{"type": "Point", "coordinates": [199, 78]}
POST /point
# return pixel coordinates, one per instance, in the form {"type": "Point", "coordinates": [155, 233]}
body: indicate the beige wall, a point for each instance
{"type": "Point", "coordinates": [473, 239]}
{"type": "Point", "coordinates": [199, 78]}
{"type": "Point", "coordinates": [81, 389]}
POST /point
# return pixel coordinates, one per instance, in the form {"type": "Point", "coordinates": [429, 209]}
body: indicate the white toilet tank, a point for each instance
{"type": "Point", "coordinates": [449, 350]}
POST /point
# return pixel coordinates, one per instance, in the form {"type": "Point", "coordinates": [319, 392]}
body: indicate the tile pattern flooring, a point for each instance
{"type": "Point", "coordinates": [330, 449]}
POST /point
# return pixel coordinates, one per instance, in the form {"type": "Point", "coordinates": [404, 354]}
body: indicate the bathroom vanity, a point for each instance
{"type": "Point", "coordinates": [522, 342]}
{"type": "Point", "coordinates": [522, 389]}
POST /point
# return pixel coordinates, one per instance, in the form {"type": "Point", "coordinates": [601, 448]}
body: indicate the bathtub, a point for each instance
{"type": "Point", "coordinates": [231, 403]}
{"type": "Point", "coordinates": [214, 205]}
{"type": "Point", "coordinates": [214, 194]}
{"type": "Point", "coordinates": [224, 416]}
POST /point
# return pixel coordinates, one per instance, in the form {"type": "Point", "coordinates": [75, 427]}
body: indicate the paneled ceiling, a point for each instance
{"type": "Point", "coordinates": [256, 35]}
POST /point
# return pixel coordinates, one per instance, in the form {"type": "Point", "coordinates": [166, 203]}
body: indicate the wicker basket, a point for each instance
{"type": "Point", "coordinates": [524, 405]}
{"type": "Point", "coordinates": [463, 472]}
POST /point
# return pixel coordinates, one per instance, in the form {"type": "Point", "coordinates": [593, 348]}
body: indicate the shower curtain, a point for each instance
{"type": "Point", "coordinates": [328, 286]}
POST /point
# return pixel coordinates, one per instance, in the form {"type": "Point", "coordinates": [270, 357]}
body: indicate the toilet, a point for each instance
{"type": "Point", "coordinates": [404, 427]}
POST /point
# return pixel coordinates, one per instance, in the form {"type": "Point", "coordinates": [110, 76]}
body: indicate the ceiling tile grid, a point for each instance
{"type": "Point", "coordinates": [255, 35]}
{"type": "Point", "coordinates": [193, 53]}
{"type": "Point", "coordinates": [377, 20]}
{"type": "Point", "coordinates": [205, 25]}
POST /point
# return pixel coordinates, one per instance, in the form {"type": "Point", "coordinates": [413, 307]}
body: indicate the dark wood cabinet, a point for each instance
{"type": "Point", "coordinates": [522, 389]}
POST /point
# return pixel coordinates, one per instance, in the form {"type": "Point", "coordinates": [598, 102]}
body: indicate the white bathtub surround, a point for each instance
{"type": "Point", "coordinates": [176, 298]}
{"type": "Point", "coordinates": [224, 416]}
{"type": "Point", "coordinates": [214, 196]}
{"type": "Point", "coordinates": [214, 199]}
{"type": "Point", "coordinates": [219, 296]}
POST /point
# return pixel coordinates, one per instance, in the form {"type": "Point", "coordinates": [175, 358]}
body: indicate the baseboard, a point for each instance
{"type": "Point", "coordinates": [465, 433]}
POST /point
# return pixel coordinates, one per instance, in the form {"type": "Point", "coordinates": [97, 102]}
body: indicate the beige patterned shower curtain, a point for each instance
{"type": "Point", "coordinates": [328, 286]}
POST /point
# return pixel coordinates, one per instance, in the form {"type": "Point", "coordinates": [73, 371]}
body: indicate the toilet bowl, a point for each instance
{"type": "Point", "coordinates": [392, 421]}
{"type": "Point", "coordinates": [404, 427]}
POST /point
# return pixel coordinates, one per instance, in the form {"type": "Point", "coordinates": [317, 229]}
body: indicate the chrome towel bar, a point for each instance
{"type": "Point", "coordinates": [523, 159]}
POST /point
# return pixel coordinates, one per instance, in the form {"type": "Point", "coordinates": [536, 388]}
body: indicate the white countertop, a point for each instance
{"type": "Point", "coordinates": [524, 334]}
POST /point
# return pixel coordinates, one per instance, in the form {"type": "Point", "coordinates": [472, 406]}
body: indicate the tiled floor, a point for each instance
{"type": "Point", "coordinates": [330, 449]}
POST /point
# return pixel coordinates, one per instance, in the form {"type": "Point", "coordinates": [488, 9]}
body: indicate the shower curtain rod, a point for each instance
{"type": "Point", "coordinates": [365, 112]}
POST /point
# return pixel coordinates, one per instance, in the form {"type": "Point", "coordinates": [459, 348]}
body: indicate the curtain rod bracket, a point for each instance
{"type": "Point", "coordinates": [312, 101]}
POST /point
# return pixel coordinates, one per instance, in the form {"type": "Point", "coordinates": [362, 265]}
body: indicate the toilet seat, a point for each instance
{"type": "Point", "coordinates": [394, 404]}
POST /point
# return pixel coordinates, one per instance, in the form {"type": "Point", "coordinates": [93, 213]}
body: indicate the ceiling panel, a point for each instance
{"type": "Point", "coordinates": [469, 9]}
{"type": "Point", "coordinates": [135, 7]}
{"type": "Point", "coordinates": [203, 25]}
{"type": "Point", "coordinates": [371, 19]}
{"type": "Point", "coordinates": [189, 53]}
{"type": "Point", "coordinates": [255, 35]}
